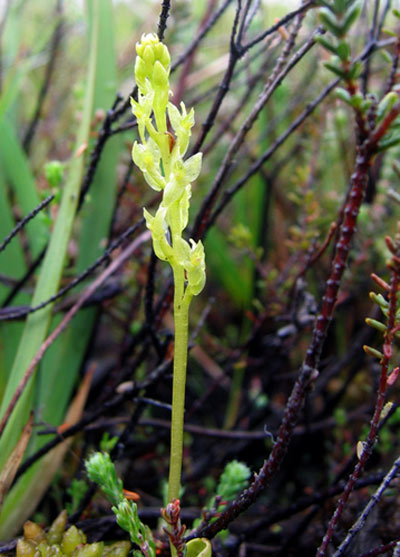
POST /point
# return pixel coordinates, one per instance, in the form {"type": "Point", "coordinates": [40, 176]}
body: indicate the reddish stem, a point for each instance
{"type": "Point", "coordinates": [369, 443]}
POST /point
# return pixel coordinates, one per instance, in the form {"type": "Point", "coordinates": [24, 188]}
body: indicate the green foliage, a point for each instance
{"type": "Point", "coordinates": [386, 104]}
{"type": "Point", "coordinates": [391, 140]}
{"type": "Point", "coordinates": [37, 325]}
{"type": "Point", "coordinates": [128, 519]}
{"type": "Point", "coordinates": [60, 541]}
{"type": "Point", "coordinates": [233, 479]}
{"type": "Point", "coordinates": [77, 490]}
{"type": "Point", "coordinates": [107, 442]}
{"type": "Point", "coordinates": [338, 18]}
{"type": "Point", "coordinates": [101, 470]}
{"type": "Point", "coordinates": [64, 358]}
{"type": "Point", "coordinates": [263, 253]}
{"type": "Point", "coordinates": [339, 15]}
{"type": "Point", "coordinates": [340, 417]}
{"type": "Point", "coordinates": [54, 172]}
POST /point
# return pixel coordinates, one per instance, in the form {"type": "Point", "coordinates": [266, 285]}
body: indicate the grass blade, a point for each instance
{"type": "Point", "coordinates": [38, 323]}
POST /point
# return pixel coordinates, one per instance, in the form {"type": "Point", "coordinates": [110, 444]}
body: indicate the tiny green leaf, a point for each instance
{"type": "Point", "coordinates": [350, 17]}
{"type": "Point", "coordinates": [335, 69]}
{"type": "Point", "coordinates": [372, 352]}
{"type": "Point", "coordinates": [343, 95]}
{"type": "Point", "coordinates": [386, 104]}
{"type": "Point", "coordinates": [330, 22]}
{"type": "Point", "coordinates": [357, 100]}
{"type": "Point", "coordinates": [355, 70]}
{"type": "Point", "coordinates": [323, 41]}
{"type": "Point", "coordinates": [376, 324]}
{"type": "Point", "coordinates": [388, 142]}
{"type": "Point", "coordinates": [54, 171]}
{"type": "Point", "coordinates": [379, 299]}
{"type": "Point", "coordinates": [343, 50]}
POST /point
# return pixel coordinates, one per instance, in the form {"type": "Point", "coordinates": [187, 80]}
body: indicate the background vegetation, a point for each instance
{"type": "Point", "coordinates": [281, 152]}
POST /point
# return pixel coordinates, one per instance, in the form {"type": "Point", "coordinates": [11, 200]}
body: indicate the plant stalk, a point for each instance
{"type": "Point", "coordinates": [181, 321]}
{"type": "Point", "coordinates": [181, 313]}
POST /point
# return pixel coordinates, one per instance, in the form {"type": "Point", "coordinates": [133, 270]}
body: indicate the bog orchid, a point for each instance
{"type": "Point", "coordinates": [164, 132]}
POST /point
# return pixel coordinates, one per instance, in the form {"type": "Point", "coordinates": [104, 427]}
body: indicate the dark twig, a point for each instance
{"type": "Point", "coordinates": [253, 9]}
{"type": "Point", "coordinates": [393, 71]}
{"type": "Point", "coordinates": [100, 411]}
{"type": "Point", "coordinates": [382, 19]}
{"type": "Point", "coordinates": [200, 36]}
{"type": "Point", "coordinates": [288, 17]}
{"type": "Point", "coordinates": [162, 21]}
{"type": "Point", "coordinates": [25, 221]}
{"type": "Point", "coordinates": [7, 314]}
{"type": "Point", "coordinates": [279, 73]}
{"type": "Point", "coordinates": [23, 280]}
{"type": "Point", "coordinates": [382, 549]}
{"type": "Point", "coordinates": [148, 303]}
{"type": "Point", "coordinates": [357, 526]}
{"type": "Point", "coordinates": [72, 430]}
{"type": "Point", "coordinates": [104, 134]}
{"type": "Point", "coordinates": [64, 323]}
{"type": "Point", "coordinates": [251, 84]}
{"type": "Point", "coordinates": [187, 65]}
{"type": "Point", "coordinates": [51, 64]}
{"type": "Point", "coordinates": [242, 26]}
{"type": "Point", "coordinates": [205, 223]}
{"type": "Point", "coordinates": [235, 53]}
{"type": "Point", "coordinates": [307, 501]}
{"type": "Point", "coordinates": [120, 194]}
{"type": "Point", "coordinates": [255, 167]}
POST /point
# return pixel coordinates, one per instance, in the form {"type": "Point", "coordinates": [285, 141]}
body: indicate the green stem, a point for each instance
{"type": "Point", "coordinates": [181, 312]}
{"type": "Point", "coordinates": [181, 319]}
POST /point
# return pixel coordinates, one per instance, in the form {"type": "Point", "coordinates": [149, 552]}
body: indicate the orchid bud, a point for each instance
{"type": "Point", "coordinates": [151, 54]}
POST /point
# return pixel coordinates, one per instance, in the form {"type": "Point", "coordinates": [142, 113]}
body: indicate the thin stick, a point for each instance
{"type": "Point", "coordinates": [23, 222]}
{"type": "Point", "coordinates": [360, 523]}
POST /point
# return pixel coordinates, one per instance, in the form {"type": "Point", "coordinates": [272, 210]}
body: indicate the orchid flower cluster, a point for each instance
{"type": "Point", "coordinates": [160, 157]}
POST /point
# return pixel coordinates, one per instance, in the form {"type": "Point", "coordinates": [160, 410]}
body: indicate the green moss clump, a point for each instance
{"type": "Point", "coordinates": [61, 541]}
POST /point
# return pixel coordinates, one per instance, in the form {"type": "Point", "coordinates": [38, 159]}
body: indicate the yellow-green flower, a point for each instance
{"type": "Point", "coordinates": [163, 166]}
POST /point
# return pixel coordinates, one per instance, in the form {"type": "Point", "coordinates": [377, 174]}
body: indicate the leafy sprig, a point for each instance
{"type": "Point", "coordinates": [101, 470]}
{"type": "Point", "coordinates": [338, 17]}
